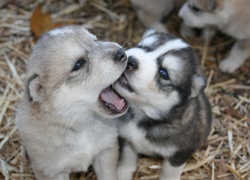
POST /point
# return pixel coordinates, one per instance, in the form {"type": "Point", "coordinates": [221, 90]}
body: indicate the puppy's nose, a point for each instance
{"type": "Point", "coordinates": [132, 63]}
{"type": "Point", "coordinates": [120, 55]}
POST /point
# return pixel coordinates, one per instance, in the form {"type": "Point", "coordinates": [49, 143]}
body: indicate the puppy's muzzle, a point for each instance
{"type": "Point", "coordinates": [120, 55]}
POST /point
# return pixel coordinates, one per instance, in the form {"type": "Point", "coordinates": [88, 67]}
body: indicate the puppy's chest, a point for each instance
{"type": "Point", "coordinates": [138, 138]}
{"type": "Point", "coordinates": [91, 140]}
{"type": "Point", "coordinates": [77, 150]}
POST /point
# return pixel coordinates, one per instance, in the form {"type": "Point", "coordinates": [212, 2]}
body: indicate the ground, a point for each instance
{"type": "Point", "coordinates": [226, 155]}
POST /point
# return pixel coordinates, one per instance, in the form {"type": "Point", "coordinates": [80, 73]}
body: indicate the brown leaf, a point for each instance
{"type": "Point", "coordinates": [40, 22]}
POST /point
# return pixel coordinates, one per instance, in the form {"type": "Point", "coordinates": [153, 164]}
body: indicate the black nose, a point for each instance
{"type": "Point", "coordinates": [120, 55]}
{"type": "Point", "coordinates": [132, 63]}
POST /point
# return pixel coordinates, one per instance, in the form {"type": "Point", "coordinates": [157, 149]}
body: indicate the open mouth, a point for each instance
{"type": "Point", "coordinates": [112, 101]}
{"type": "Point", "coordinates": [124, 83]}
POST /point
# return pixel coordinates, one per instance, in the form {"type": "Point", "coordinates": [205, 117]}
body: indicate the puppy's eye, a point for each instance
{"type": "Point", "coordinates": [164, 74]}
{"type": "Point", "coordinates": [78, 64]}
{"type": "Point", "coordinates": [194, 8]}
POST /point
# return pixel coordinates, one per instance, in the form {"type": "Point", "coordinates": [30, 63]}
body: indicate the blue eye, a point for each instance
{"type": "Point", "coordinates": [164, 74]}
{"type": "Point", "coordinates": [78, 64]}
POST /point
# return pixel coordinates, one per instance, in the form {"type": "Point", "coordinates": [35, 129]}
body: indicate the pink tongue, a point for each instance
{"type": "Point", "coordinates": [109, 96]}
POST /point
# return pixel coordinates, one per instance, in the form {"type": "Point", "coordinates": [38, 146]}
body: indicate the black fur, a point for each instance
{"type": "Point", "coordinates": [171, 130]}
{"type": "Point", "coordinates": [160, 39]}
{"type": "Point", "coordinates": [181, 156]}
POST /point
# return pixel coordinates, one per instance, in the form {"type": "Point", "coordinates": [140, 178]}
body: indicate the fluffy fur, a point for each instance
{"type": "Point", "coordinates": [170, 115]}
{"type": "Point", "coordinates": [229, 16]}
{"type": "Point", "coordinates": [63, 119]}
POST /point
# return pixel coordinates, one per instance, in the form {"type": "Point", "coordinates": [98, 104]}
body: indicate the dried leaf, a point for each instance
{"type": "Point", "coordinates": [40, 22]}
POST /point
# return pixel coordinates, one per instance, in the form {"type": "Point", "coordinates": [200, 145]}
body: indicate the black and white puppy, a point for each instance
{"type": "Point", "coordinates": [169, 114]}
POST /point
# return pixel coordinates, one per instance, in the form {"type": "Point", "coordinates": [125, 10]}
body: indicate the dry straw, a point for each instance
{"type": "Point", "coordinates": [226, 155]}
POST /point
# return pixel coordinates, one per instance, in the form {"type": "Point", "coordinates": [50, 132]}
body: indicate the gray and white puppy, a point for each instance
{"type": "Point", "coordinates": [151, 12]}
{"type": "Point", "coordinates": [66, 117]}
{"type": "Point", "coordinates": [229, 16]}
{"type": "Point", "coordinates": [169, 114]}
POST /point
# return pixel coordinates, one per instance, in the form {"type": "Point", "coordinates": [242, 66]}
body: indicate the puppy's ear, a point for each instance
{"type": "Point", "coordinates": [34, 89]}
{"type": "Point", "coordinates": [148, 32]}
{"type": "Point", "coordinates": [198, 84]}
{"type": "Point", "coordinates": [211, 5]}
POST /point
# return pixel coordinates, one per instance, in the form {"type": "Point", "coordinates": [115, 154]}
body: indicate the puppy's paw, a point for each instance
{"type": "Point", "coordinates": [229, 65]}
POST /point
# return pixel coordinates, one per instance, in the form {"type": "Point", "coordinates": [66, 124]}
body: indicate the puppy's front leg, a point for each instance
{"type": "Point", "coordinates": [127, 163]}
{"type": "Point", "coordinates": [237, 56]}
{"type": "Point", "coordinates": [172, 167]}
{"type": "Point", "coordinates": [105, 164]}
{"type": "Point", "coordinates": [170, 172]}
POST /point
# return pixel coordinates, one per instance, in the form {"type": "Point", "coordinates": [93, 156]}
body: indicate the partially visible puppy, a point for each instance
{"type": "Point", "coordinates": [151, 12]}
{"type": "Point", "coordinates": [169, 114]}
{"type": "Point", "coordinates": [229, 16]}
{"type": "Point", "coordinates": [65, 119]}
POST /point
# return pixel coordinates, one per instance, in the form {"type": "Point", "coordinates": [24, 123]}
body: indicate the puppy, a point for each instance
{"type": "Point", "coordinates": [170, 115]}
{"type": "Point", "coordinates": [66, 118]}
{"type": "Point", "coordinates": [229, 16]}
{"type": "Point", "coordinates": [151, 12]}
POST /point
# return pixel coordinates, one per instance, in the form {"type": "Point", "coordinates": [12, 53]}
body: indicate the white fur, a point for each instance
{"type": "Point", "coordinates": [147, 71]}
{"type": "Point", "coordinates": [171, 45]}
{"type": "Point", "coordinates": [173, 64]}
{"type": "Point", "coordinates": [171, 172]}
{"type": "Point", "coordinates": [67, 30]}
{"type": "Point", "coordinates": [59, 31]}
{"type": "Point", "coordinates": [128, 164]}
{"type": "Point", "coordinates": [142, 145]}
{"type": "Point", "coordinates": [136, 135]}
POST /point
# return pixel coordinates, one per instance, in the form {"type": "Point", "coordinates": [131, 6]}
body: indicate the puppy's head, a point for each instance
{"type": "Point", "coordinates": [201, 13]}
{"type": "Point", "coordinates": [71, 72]}
{"type": "Point", "coordinates": [162, 73]}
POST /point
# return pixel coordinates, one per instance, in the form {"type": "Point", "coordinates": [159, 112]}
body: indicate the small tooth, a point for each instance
{"type": "Point", "coordinates": [110, 106]}
{"type": "Point", "coordinates": [124, 81]}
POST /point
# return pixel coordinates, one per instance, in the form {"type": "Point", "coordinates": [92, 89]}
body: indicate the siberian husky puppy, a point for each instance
{"type": "Point", "coordinates": [229, 16]}
{"type": "Point", "coordinates": [66, 117]}
{"type": "Point", "coordinates": [151, 12]}
{"type": "Point", "coordinates": [169, 114]}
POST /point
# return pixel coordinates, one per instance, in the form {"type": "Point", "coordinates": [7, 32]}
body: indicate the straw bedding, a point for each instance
{"type": "Point", "coordinates": [226, 156]}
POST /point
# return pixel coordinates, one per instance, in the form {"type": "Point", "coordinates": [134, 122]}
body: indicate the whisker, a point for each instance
{"type": "Point", "coordinates": [129, 40]}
